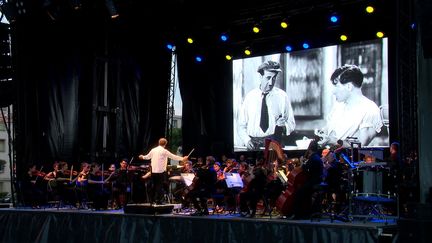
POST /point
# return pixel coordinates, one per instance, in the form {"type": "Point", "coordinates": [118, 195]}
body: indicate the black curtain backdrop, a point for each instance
{"type": "Point", "coordinates": [61, 70]}
{"type": "Point", "coordinates": [206, 89]}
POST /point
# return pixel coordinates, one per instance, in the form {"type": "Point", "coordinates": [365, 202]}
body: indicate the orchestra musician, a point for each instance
{"type": "Point", "coordinates": [81, 183]}
{"type": "Point", "coordinates": [120, 185]}
{"type": "Point", "coordinates": [253, 191]}
{"type": "Point", "coordinates": [313, 167]}
{"type": "Point", "coordinates": [59, 183]}
{"type": "Point", "coordinates": [159, 159]}
{"type": "Point", "coordinates": [180, 187]}
{"type": "Point", "coordinates": [220, 186]}
{"type": "Point", "coordinates": [202, 187]}
{"type": "Point", "coordinates": [31, 187]}
{"type": "Point", "coordinates": [97, 190]}
{"type": "Point", "coordinates": [112, 186]}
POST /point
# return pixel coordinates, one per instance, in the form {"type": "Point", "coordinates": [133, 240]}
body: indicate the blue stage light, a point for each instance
{"type": "Point", "coordinates": [169, 46]}
{"type": "Point", "coordinates": [334, 18]}
{"type": "Point", "coordinates": [224, 37]}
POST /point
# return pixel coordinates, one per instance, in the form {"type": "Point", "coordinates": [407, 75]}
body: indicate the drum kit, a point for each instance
{"type": "Point", "coordinates": [373, 191]}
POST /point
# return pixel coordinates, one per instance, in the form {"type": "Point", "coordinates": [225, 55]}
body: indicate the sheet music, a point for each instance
{"type": "Point", "coordinates": [188, 178]}
{"type": "Point", "coordinates": [233, 180]}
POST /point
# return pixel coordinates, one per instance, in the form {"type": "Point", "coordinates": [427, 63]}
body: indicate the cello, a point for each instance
{"type": "Point", "coordinates": [295, 179]}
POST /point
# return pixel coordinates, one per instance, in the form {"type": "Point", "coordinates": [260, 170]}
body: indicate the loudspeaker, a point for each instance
{"type": "Point", "coordinates": [146, 208]}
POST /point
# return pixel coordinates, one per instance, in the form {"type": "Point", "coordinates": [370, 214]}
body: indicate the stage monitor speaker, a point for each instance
{"type": "Point", "coordinates": [146, 208]}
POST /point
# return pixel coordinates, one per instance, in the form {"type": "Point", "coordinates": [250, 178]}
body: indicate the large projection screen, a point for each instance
{"type": "Point", "coordinates": [305, 77]}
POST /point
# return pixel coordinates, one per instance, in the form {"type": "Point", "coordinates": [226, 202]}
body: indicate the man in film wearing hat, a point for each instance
{"type": "Point", "coordinates": [266, 111]}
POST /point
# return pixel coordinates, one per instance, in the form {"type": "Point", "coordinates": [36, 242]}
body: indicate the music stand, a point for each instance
{"type": "Point", "coordinates": [188, 178]}
{"type": "Point", "coordinates": [233, 180]}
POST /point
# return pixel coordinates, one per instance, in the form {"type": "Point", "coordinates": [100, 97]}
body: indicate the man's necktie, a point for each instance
{"type": "Point", "coordinates": [264, 123]}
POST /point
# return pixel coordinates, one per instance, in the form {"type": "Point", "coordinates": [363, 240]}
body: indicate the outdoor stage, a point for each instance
{"type": "Point", "coordinates": [76, 225]}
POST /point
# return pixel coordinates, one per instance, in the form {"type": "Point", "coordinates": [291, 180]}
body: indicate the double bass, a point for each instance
{"type": "Point", "coordinates": [295, 179]}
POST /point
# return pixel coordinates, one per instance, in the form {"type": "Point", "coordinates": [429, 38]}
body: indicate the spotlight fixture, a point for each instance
{"type": "Point", "coordinates": [284, 24]}
{"type": "Point", "coordinates": [343, 37]}
{"type": "Point", "coordinates": [380, 34]}
{"type": "Point", "coordinates": [198, 58]}
{"type": "Point", "coordinates": [224, 37]}
{"type": "Point", "coordinates": [228, 57]}
{"type": "Point", "coordinates": [369, 9]}
{"type": "Point", "coordinates": [190, 40]}
{"type": "Point", "coordinates": [256, 28]}
{"type": "Point", "coordinates": [305, 45]}
{"type": "Point", "coordinates": [170, 47]}
{"type": "Point", "coordinates": [288, 48]}
{"type": "Point", "coordinates": [247, 51]}
{"type": "Point", "coordinates": [334, 18]}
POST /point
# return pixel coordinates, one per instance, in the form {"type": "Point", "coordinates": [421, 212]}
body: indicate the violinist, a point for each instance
{"type": "Point", "coordinates": [231, 166]}
{"type": "Point", "coordinates": [31, 187]}
{"type": "Point", "coordinates": [82, 181]}
{"type": "Point", "coordinates": [56, 181]}
{"type": "Point", "coordinates": [231, 193]}
{"type": "Point", "coordinates": [220, 187]}
{"type": "Point", "coordinates": [244, 173]}
{"type": "Point", "coordinates": [120, 184]}
{"type": "Point", "coordinates": [112, 186]}
{"type": "Point", "coordinates": [97, 191]}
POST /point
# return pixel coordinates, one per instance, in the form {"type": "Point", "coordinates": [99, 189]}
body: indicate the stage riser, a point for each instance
{"type": "Point", "coordinates": [148, 209]}
{"type": "Point", "coordinates": [59, 226]}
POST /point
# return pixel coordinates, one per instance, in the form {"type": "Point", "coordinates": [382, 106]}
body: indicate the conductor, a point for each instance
{"type": "Point", "coordinates": [159, 159]}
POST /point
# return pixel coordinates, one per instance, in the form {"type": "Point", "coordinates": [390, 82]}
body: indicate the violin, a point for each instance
{"type": "Point", "coordinates": [39, 173]}
{"type": "Point", "coordinates": [68, 172]}
{"type": "Point", "coordinates": [105, 173]}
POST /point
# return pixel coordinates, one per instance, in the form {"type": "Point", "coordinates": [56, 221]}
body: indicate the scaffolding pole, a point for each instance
{"type": "Point", "coordinates": [170, 99]}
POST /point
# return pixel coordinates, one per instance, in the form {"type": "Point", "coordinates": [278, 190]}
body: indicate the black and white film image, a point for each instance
{"type": "Point", "coordinates": [292, 97]}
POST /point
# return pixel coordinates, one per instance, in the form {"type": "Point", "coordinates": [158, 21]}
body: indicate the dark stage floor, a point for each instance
{"type": "Point", "coordinates": [154, 225]}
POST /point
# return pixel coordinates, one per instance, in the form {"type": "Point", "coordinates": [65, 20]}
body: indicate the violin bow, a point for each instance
{"type": "Point", "coordinates": [37, 176]}
{"type": "Point", "coordinates": [191, 152]}
{"type": "Point", "coordinates": [71, 173]}
{"type": "Point", "coordinates": [103, 177]}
